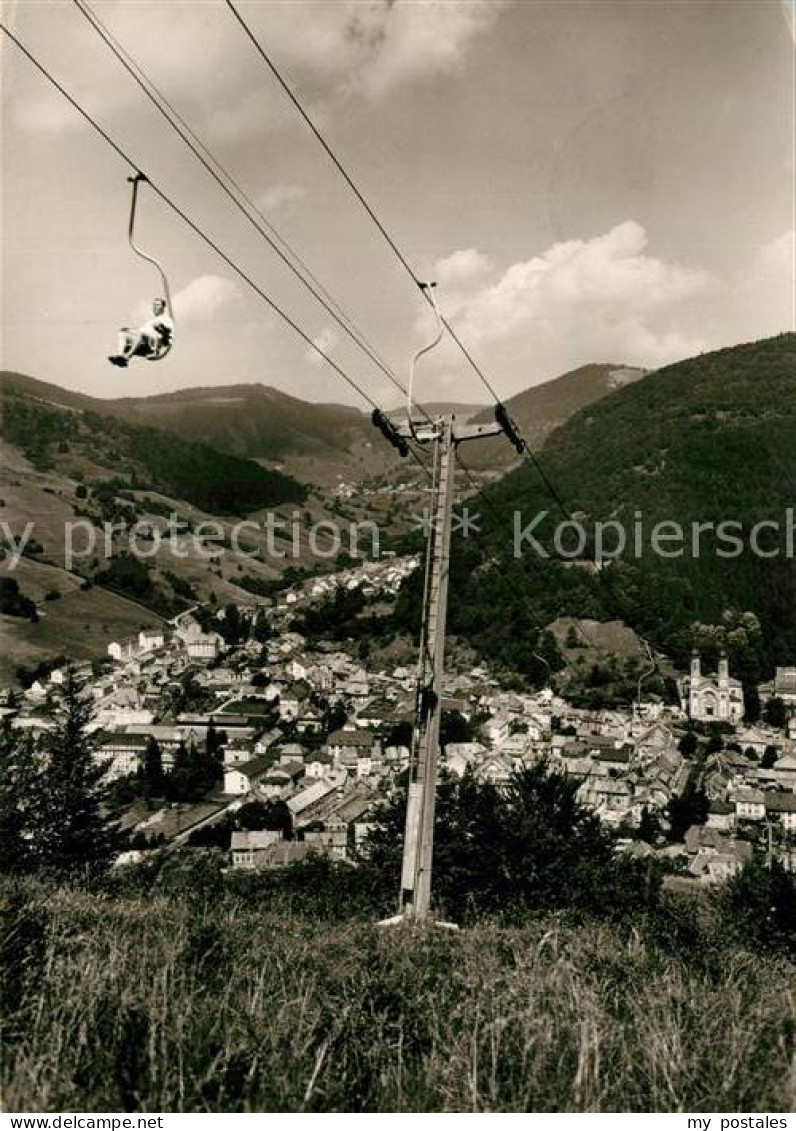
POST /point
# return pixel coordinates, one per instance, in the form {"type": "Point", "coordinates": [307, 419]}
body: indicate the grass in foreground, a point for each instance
{"type": "Point", "coordinates": [162, 1004]}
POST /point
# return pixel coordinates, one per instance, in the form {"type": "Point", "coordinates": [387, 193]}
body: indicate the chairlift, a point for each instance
{"type": "Point", "coordinates": [428, 290]}
{"type": "Point", "coordinates": [155, 338]}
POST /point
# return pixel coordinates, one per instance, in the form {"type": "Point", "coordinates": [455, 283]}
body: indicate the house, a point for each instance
{"type": "Point", "coordinates": [750, 805]}
{"type": "Point", "coordinates": [575, 766]}
{"type": "Point", "coordinates": [303, 805]}
{"type": "Point", "coordinates": [784, 771]}
{"type": "Point", "coordinates": [611, 797]}
{"type": "Point", "coordinates": [351, 807]}
{"type": "Point", "coordinates": [266, 740]}
{"type": "Point", "coordinates": [715, 867]}
{"type": "Point", "coordinates": [709, 698]}
{"type": "Point", "coordinates": [613, 758]}
{"type": "Point", "coordinates": [280, 780]}
{"type": "Point", "coordinates": [290, 752]}
{"type": "Point", "coordinates": [318, 766]}
{"type": "Point", "coordinates": [782, 807]}
{"type": "Point", "coordinates": [122, 650]}
{"type": "Point", "coordinates": [783, 686]}
{"type": "Point", "coordinates": [355, 679]}
{"type": "Point", "coordinates": [346, 747]}
{"type": "Point", "coordinates": [123, 708]}
{"type": "Point", "coordinates": [237, 750]}
{"type": "Point", "coordinates": [332, 840]}
{"type": "Point", "coordinates": [122, 753]}
{"type": "Point", "coordinates": [151, 638]}
{"type": "Point", "coordinates": [320, 677]}
{"type": "Point", "coordinates": [309, 719]}
{"type": "Point", "coordinates": [169, 738]}
{"type": "Point", "coordinates": [459, 755]}
{"type": "Point", "coordinates": [497, 728]}
{"type": "Point", "coordinates": [721, 815]}
{"type": "Point", "coordinates": [756, 739]}
{"type": "Point", "coordinates": [248, 847]}
{"type": "Point", "coordinates": [296, 670]}
{"type": "Point", "coordinates": [269, 850]}
{"type": "Point", "coordinates": [665, 777]}
{"type": "Point", "coordinates": [396, 758]}
{"type": "Point", "coordinates": [365, 765]}
{"type": "Point", "coordinates": [245, 777]}
{"type": "Point", "coordinates": [294, 701]}
{"type": "Point", "coordinates": [496, 768]}
{"type": "Point", "coordinates": [286, 852]}
{"type": "Point", "coordinates": [221, 678]}
{"type": "Point", "coordinates": [727, 770]}
{"type": "Point", "coordinates": [786, 855]}
{"type": "Point", "coordinates": [198, 644]}
{"type": "Point", "coordinates": [232, 721]}
{"type": "Point", "coordinates": [610, 726]}
{"type": "Point", "coordinates": [379, 714]}
{"type": "Point", "coordinates": [517, 747]}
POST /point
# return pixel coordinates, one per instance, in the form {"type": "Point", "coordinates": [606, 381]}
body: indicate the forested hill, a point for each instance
{"type": "Point", "coordinates": [255, 421]}
{"type": "Point", "coordinates": [711, 439]}
{"type": "Point", "coordinates": [316, 443]}
{"type": "Point", "coordinates": [323, 443]}
{"type": "Point", "coordinates": [69, 431]}
{"type": "Point", "coordinates": [543, 408]}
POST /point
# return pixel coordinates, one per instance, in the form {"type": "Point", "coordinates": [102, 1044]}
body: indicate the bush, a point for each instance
{"type": "Point", "coordinates": [13, 603]}
{"type": "Point", "coordinates": [504, 851]}
{"type": "Point", "coordinates": [758, 906]}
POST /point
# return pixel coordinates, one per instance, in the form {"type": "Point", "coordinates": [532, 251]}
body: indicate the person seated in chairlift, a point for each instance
{"type": "Point", "coordinates": [151, 340]}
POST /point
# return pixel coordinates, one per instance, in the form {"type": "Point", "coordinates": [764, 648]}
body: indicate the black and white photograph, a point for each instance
{"type": "Point", "coordinates": [397, 561]}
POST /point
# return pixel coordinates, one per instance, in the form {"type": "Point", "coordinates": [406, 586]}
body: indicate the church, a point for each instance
{"type": "Point", "coordinates": [710, 698]}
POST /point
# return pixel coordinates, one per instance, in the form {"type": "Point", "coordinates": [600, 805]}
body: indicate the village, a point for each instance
{"type": "Point", "coordinates": [311, 725]}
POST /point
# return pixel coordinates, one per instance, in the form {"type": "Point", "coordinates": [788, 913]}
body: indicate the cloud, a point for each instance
{"type": "Point", "coordinates": [360, 48]}
{"type": "Point", "coordinates": [581, 300]}
{"type": "Point", "coordinates": [461, 268]}
{"type": "Point", "coordinates": [331, 52]}
{"type": "Point", "coordinates": [761, 300]}
{"type": "Point", "coordinates": [280, 196]}
{"type": "Point", "coordinates": [409, 41]}
{"type": "Point", "coordinates": [204, 297]}
{"type": "Point", "coordinates": [371, 46]}
{"type": "Point", "coordinates": [326, 341]}
{"type": "Point", "coordinates": [604, 299]}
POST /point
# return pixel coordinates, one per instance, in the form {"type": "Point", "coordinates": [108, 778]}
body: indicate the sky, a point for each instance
{"type": "Point", "coordinates": [585, 180]}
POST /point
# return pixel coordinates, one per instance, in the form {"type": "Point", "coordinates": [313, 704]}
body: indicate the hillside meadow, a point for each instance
{"type": "Point", "coordinates": [178, 1003]}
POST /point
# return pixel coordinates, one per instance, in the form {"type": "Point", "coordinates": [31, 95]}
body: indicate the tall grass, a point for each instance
{"type": "Point", "coordinates": [166, 1004]}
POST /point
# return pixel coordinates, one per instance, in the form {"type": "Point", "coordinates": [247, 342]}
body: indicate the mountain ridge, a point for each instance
{"type": "Point", "coordinates": [324, 442]}
{"type": "Point", "coordinates": [706, 440]}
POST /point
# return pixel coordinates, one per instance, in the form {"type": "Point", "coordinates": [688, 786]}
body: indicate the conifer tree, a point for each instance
{"type": "Point", "coordinates": [215, 742]}
{"type": "Point", "coordinates": [19, 790]}
{"type": "Point", "coordinates": [70, 831]}
{"type": "Point", "coordinates": [153, 777]}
